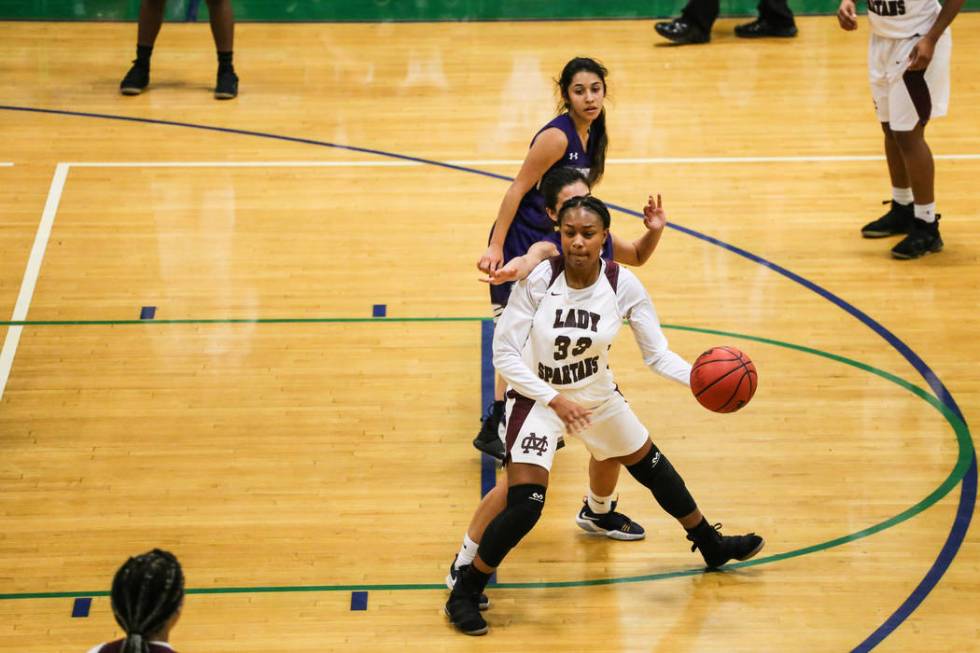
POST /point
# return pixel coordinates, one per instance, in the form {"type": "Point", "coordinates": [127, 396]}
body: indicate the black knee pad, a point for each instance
{"type": "Point", "coordinates": [524, 505]}
{"type": "Point", "coordinates": [655, 472]}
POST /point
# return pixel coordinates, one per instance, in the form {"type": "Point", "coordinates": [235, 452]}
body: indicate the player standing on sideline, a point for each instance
{"type": "Point", "coordinates": [908, 62]}
{"type": "Point", "coordinates": [222, 29]}
{"type": "Point", "coordinates": [576, 138]}
{"type": "Point", "coordinates": [147, 595]}
{"type": "Point", "coordinates": [552, 346]}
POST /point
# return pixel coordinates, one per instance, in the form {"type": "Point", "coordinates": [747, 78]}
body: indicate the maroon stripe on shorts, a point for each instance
{"type": "Point", "coordinates": [518, 415]}
{"type": "Point", "coordinates": [915, 83]}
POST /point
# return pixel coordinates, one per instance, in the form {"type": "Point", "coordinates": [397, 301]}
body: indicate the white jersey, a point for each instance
{"type": "Point", "coordinates": [902, 19]}
{"type": "Point", "coordinates": [553, 338]}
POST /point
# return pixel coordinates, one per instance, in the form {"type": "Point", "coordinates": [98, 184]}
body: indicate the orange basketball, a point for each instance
{"type": "Point", "coordinates": [723, 379]}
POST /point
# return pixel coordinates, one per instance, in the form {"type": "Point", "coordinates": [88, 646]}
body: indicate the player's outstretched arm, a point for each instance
{"type": "Point", "coordinates": [639, 251]}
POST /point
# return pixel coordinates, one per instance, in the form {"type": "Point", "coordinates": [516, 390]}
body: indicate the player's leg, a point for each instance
{"type": "Point", "coordinates": [150, 20]}
{"type": "Point", "coordinates": [916, 97]}
{"type": "Point", "coordinates": [489, 440]}
{"type": "Point", "coordinates": [532, 438]}
{"type": "Point", "coordinates": [898, 218]}
{"type": "Point", "coordinates": [223, 30]}
{"type": "Point", "coordinates": [652, 469]}
{"type": "Point", "coordinates": [598, 513]}
{"type": "Point", "coordinates": [493, 503]}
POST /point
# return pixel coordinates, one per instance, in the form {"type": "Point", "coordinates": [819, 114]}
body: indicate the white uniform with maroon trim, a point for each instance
{"type": "Point", "coordinates": [555, 339]}
{"type": "Point", "coordinates": [904, 98]}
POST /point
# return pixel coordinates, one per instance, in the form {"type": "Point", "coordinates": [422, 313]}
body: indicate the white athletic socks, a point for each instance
{"type": "Point", "coordinates": [600, 505]}
{"type": "Point", "coordinates": [925, 212]}
{"type": "Point", "coordinates": [902, 195]}
{"type": "Point", "coordinates": [466, 552]}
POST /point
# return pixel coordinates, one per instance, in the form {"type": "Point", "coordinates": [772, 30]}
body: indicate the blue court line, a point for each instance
{"type": "Point", "coordinates": [358, 600]}
{"type": "Point", "coordinates": [379, 310]}
{"type": "Point", "coordinates": [960, 526]}
{"type": "Point", "coordinates": [81, 606]}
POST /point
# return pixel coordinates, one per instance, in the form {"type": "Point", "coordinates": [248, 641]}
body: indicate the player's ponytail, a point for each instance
{"type": "Point", "coordinates": [147, 592]}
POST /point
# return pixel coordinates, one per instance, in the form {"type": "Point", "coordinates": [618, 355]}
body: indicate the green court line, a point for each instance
{"type": "Point", "coordinates": [244, 320]}
{"type": "Point", "coordinates": [961, 430]}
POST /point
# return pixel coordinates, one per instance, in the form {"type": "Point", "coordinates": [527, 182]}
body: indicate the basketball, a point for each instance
{"type": "Point", "coordinates": [723, 379]}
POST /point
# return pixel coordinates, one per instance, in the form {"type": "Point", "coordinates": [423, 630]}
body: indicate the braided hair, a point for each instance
{"type": "Point", "coordinates": [598, 127]}
{"type": "Point", "coordinates": [590, 203]}
{"type": "Point", "coordinates": [146, 593]}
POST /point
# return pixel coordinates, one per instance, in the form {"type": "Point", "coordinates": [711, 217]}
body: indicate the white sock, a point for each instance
{"type": "Point", "coordinates": [466, 552]}
{"type": "Point", "coordinates": [600, 505]}
{"type": "Point", "coordinates": [926, 212]}
{"type": "Point", "coordinates": [902, 195]}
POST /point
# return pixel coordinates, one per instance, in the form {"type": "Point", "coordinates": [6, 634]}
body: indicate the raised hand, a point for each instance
{"type": "Point", "coordinates": [654, 216]}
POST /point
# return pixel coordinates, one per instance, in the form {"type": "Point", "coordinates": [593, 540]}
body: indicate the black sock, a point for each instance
{"type": "Point", "coordinates": [700, 527]}
{"type": "Point", "coordinates": [224, 61]}
{"type": "Point", "coordinates": [143, 53]}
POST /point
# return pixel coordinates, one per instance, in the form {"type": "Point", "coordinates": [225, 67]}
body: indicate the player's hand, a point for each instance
{"type": "Point", "coordinates": [921, 54]}
{"type": "Point", "coordinates": [501, 276]}
{"type": "Point", "coordinates": [847, 15]}
{"type": "Point", "coordinates": [654, 216]}
{"type": "Point", "coordinates": [492, 259]}
{"type": "Point", "coordinates": [571, 414]}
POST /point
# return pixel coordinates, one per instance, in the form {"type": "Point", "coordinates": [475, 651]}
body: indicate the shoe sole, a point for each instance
{"type": "Point", "coordinates": [592, 529]}
{"type": "Point", "coordinates": [130, 90]}
{"type": "Point", "coordinates": [225, 96]}
{"type": "Point", "coordinates": [906, 257]}
{"type": "Point", "coordinates": [475, 633]}
{"type": "Point", "coordinates": [883, 234]}
{"type": "Point", "coordinates": [450, 583]}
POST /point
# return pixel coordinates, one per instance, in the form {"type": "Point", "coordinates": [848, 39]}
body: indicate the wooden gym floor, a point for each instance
{"type": "Point", "coordinates": [292, 449]}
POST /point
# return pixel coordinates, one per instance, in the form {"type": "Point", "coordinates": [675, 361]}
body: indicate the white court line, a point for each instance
{"type": "Point", "coordinates": [495, 162]}
{"type": "Point", "coordinates": [32, 272]}
{"type": "Point", "coordinates": [4, 164]}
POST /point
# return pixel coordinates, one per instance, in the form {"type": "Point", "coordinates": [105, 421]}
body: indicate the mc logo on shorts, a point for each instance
{"type": "Point", "coordinates": [534, 443]}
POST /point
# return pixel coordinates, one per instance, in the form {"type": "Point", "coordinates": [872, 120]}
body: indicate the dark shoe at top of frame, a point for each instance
{"type": "Point", "coordinates": [484, 601]}
{"type": "Point", "coordinates": [136, 80]}
{"type": "Point", "coordinates": [760, 28]}
{"type": "Point", "coordinates": [681, 31]}
{"type": "Point", "coordinates": [227, 85]}
{"type": "Point", "coordinates": [717, 549]}
{"type": "Point", "coordinates": [923, 239]}
{"type": "Point", "coordinates": [897, 221]}
{"type": "Point", "coordinates": [488, 439]}
{"type": "Point", "coordinates": [614, 525]}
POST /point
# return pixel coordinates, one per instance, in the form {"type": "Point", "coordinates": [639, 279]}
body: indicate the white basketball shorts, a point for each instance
{"type": "Point", "coordinates": [534, 430]}
{"type": "Point", "coordinates": [904, 98]}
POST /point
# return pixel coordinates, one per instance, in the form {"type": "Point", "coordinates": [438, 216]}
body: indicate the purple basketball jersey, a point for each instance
{"type": "Point", "coordinates": [531, 223]}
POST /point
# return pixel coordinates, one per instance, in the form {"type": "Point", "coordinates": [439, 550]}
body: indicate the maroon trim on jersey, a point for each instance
{"type": "Point", "coordinates": [612, 273]}
{"type": "Point", "coordinates": [518, 415]}
{"type": "Point", "coordinates": [557, 267]}
{"type": "Point", "coordinates": [915, 84]}
{"type": "Point", "coordinates": [116, 646]}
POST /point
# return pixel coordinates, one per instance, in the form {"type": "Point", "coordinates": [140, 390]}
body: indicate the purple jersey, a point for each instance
{"type": "Point", "coordinates": [531, 223]}
{"type": "Point", "coordinates": [607, 248]}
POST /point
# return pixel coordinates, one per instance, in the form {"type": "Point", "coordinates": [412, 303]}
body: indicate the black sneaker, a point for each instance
{"type": "Point", "coordinates": [614, 525]}
{"type": "Point", "coordinates": [923, 239]}
{"type": "Point", "coordinates": [761, 28]}
{"type": "Point", "coordinates": [136, 80]}
{"type": "Point", "coordinates": [682, 32]}
{"type": "Point", "coordinates": [484, 601]}
{"type": "Point", "coordinates": [463, 606]}
{"type": "Point", "coordinates": [717, 549]}
{"type": "Point", "coordinates": [488, 440]}
{"type": "Point", "coordinates": [227, 85]}
{"type": "Point", "coordinates": [897, 221]}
